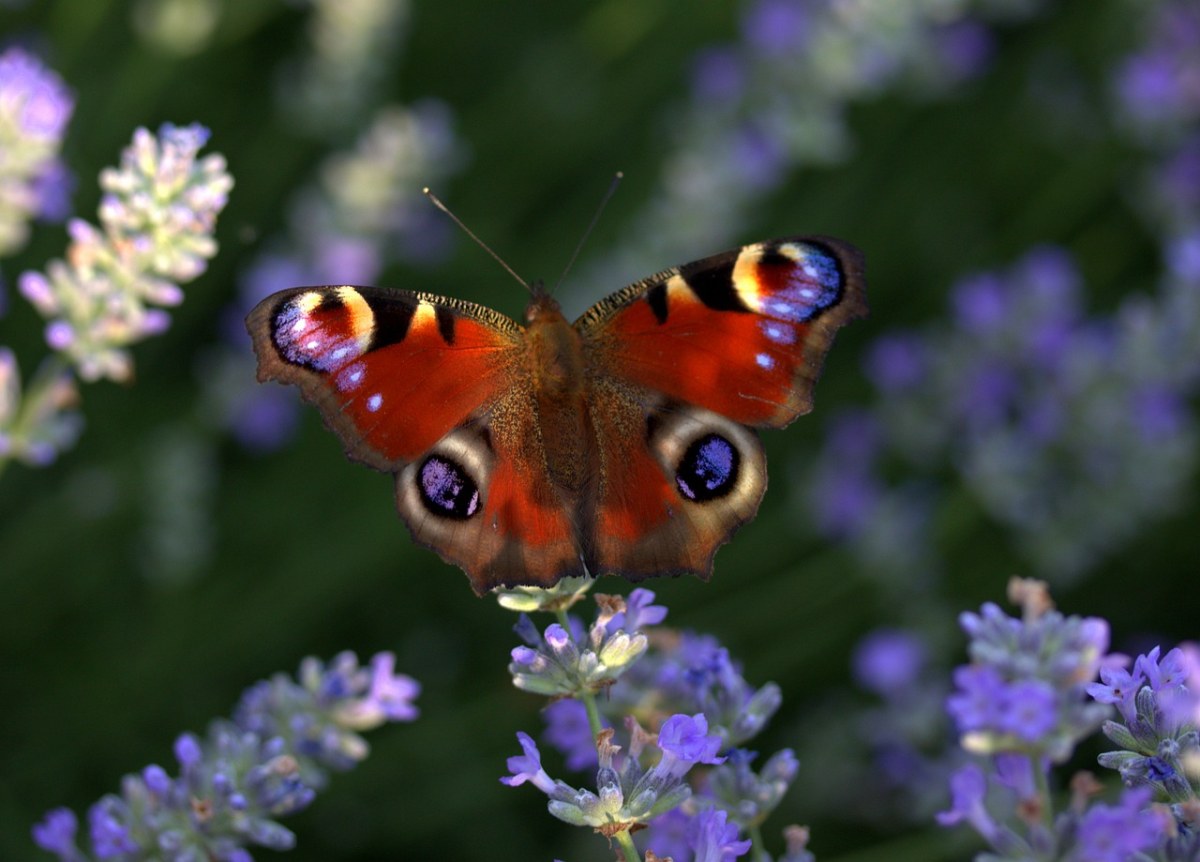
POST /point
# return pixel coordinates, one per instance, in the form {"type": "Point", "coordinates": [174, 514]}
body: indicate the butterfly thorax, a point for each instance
{"type": "Point", "coordinates": [556, 366]}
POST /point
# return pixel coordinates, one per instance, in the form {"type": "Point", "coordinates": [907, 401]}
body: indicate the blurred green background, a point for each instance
{"type": "Point", "coordinates": [158, 568]}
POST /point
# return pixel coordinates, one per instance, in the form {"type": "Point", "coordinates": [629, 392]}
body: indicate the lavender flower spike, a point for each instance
{"type": "Point", "coordinates": [35, 107]}
{"type": "Point", "coordinates": [157, 217]}
{"type": "Point", "coordinates": [233, 786]}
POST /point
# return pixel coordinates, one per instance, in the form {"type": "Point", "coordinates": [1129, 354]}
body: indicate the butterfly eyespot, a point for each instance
{"type": "Point", "coordinates": [447, 490]}
{"type": "Point", "coordinates": [709, 469]}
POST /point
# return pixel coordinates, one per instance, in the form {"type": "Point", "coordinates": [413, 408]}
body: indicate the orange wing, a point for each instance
{"type": "Point", "coordinates": [436, 391]}
{"type": "Point", "coordinates": [692, 355]}
{"type": "Point", "coordinates": [742, 333]}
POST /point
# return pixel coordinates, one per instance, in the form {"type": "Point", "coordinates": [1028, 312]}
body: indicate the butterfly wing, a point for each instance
{"type": "Point", "coordinates": [684, 361]}
{"type": "Point", "coordinates": [436, 391]}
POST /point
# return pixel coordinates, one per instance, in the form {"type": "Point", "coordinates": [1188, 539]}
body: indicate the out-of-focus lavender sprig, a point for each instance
{"type": "Point", "coordinates": [35, 107]}
{"type": "Point", "coordinates": [1022, 704]}
{"type": "Point", "coordinates": [364, 211]}
{"type": "Point", "coordinates": [1024, 691]}
{"type": "Point", "coordinates": [776, 100]}
{"type": "Point", "coordinates": [1035, 406]}
{"type": "Point", "coordinates": [35, 427]}
{"type": "Point", "coordinates": [679, 696]}
{"type": "Point", "coordinates": [157, 218]}
{"type": "Point", "coordinates": [269, 761]}
{"type": "Point", "coordinates": [353, 44]}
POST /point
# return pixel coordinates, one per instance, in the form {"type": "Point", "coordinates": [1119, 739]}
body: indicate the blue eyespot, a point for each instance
{"type": "Point", "coordinates": [447, 490]}
{"type": "Point", "coordinates": [709, 469]}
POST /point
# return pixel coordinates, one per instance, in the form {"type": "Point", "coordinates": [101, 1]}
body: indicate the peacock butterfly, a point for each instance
{"type": "Point", "coordinates": [622, 443]}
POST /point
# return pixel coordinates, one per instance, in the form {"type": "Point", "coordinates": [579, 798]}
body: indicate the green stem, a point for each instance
{"type": "Point", "coordinates": [585, 697]}
{"type": "Point", "coordinates": [1042, 783]}
{"type": "Point", "coordinates": [627, 848]}
{"type": "Point", "coordinates": [756, 840]}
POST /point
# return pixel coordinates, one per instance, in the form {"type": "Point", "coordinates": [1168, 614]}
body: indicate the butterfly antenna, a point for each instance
{"type": "Point", "coordinates": [483, 245]}
{"type": "Point", "coordinates": [612, 187]}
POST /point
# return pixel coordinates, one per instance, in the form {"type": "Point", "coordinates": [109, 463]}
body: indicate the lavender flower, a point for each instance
{"type": "Point", "coordinates": [1032, 404]}
{"type": "Point", "coordinates": [695, 673]}
{"type": "Point", "coordinates": [157, 215]}
{"type": "Point", "coordinates": [1007, 801]}
{"type": "Point", "coordinates": [714, 839]}
{"type": "Point", "coordinates": [35, 429]}
{"type": "Point", "coordinates": [556, 664]}
{"type": "Point", "coordinates": [1158, 732]}
{"type": "Point", "coordinates": [627, 793]}
{"type": "Point", "coordinates": [1115, 833]}
{"type": "Point", "coordinates": [686, 686]}
{"type": "Point", "coordinates": [1025, 688]}
{"type": "Point", "coordinates": [268, 762]}
{"type": "Point", "coordinates": [35, 107]}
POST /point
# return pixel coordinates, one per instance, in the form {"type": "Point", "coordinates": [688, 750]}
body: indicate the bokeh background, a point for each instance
{"type": "Point", "coordinates": [1023, 177]}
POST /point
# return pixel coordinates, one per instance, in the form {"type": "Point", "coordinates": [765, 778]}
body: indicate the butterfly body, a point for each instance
{"type": "Point", "coordinates": [623, 442]}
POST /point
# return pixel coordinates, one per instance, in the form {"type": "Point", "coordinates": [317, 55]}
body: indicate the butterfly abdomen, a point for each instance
{"type": "Point", "coordinates": [558, 373]}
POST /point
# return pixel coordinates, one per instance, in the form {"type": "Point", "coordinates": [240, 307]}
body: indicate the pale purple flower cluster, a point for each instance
{"type": "Point", "coordinates": [628, 793]}
{"type": "Point", "coordinates": [268, 762]}
{"type": "Point", "coordinates": [34, 428]}
{"type": "Point", "coordinates": [35, 107]}
{"type": "Point", "coordinates": [685, 686]}
{"type": "Point", "coordinates": [157, 217]}
{"type": "Point", "coordinates": [158, 214]}
{"type": "Point", "coordinates": [1025, 688]}
{"type": "Point", "coordinates": [1025, 728]}
{"type": "Point", "coordinates": [1034, 405]}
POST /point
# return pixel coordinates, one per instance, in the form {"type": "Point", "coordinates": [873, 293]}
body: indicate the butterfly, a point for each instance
{"type": "Point", "coordinates": [623, 443]}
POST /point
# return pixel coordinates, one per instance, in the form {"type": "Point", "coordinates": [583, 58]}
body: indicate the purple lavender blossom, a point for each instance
{"type": "Point", "coordinates": [567, 729]}
{"type": "Point", "coordinates": [966, 48]}
{"type": "Point", "coordinates": [896, 362]}
{"type": "Point", "coordinates": [888, 661]}
{"type": "Point", "coordinates": [1115, 833]}
{"type": "Point", "coordinates": [717, 76]}
{"type": "Point", "coordinates": [714, 839]}
{"type": "Point", "coordinates": [1030, 710]}
{"type": "Point", "coordinates": [776, 27]}
{"type": "Point", "coordinates": [528, 767]}
{"type": "Point", "coordinates": [32, 97]}
{"type": "Point", "coordinates": [1117, 686]}
{"type": "Point", "coordinates": [1025, 689]}
{"type": "Point", "coordinates": [234, 784]}
{"type": "Point", "coordinates": [35, 107]}
{"type": "Point", "coordinates": [56, 834]}
{"type": "Point", "coordinates": [968, 788]}
{"type": "Point", "coordinates": [685, 741]}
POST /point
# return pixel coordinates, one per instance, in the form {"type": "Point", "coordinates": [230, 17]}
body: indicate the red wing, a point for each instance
{"type": "Point", "coordinates": [437, 392]}
{"type": "Point", "coordinates": [391, 371]}
{"type": "Point", "coordinates": [742, 334]}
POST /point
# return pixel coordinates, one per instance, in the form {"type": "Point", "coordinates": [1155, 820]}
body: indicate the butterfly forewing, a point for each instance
{"type": "Point", "coordinates": [391, 371]}
{"type": "Point", "coordinates": [742, 333]}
